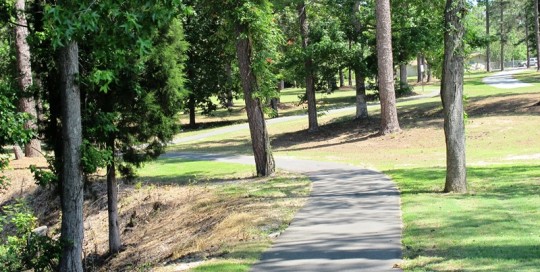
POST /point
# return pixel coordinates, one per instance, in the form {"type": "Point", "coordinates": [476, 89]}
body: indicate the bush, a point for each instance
{"type": "Point", "coordinates": [24, 250]}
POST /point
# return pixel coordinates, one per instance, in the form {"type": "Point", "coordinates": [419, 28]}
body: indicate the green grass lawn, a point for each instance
{"type": "Point", "coordinates": [182, 171]}
{"type": "Point", "coordinates": [495, 227]}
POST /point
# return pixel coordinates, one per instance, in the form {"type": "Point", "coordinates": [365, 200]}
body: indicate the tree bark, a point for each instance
{"type": "Point", "coordinates": [27, 103]}
{"type": "Point", "coordinates": [275, 100]}
{"type": "Point", "coordinates": [389, 118]}
{"type": "Point", "coordinates": [230, 98]}
{"type": "Point", "coordinates": [419, 63]}
{"type": "Point", "coordinates": [537, 34]}
{"type": "Point", "coordinates": [112, 207]}
{"type": "Point", "coordinates": [428, 72]}
{"type": "Point", "coordinates": [452, 97]}
{"type": "Point", "coordinates": [361, 103]}
{"type": "Point", "coordinates": [71, 176]}
{"type": "Point", "coordinates": [488, 49]}
{"type": "Point", "coordinates": [502, 36]}
{"type": "Point", "coordinates": [350, 69]}
{"type": "Point", "coordinates": [308, 66]}
{"type": "Point", "coordinates": [403, 75]}
{"type": "Point", "coordinates": [192, 110]}
{"type": "Point", "coordinates": [341, 78]}
{"type": "Point", "coordinates": [527, 45]}
{"type": "Point", "coordinates": [264, 160]}
{"type": "Point", "coordinates": [17, 151]}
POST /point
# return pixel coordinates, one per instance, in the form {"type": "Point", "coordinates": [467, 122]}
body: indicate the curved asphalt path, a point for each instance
{"type": "Point", "coordinates": [504, 80]}
{"type": "Point", "coordinates": [351, 222]}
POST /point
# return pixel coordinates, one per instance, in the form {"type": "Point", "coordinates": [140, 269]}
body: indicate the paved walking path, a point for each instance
{"type": "Point", "coordinates": [352, 221]}
{"type": "Point", "coordinates": [504, 80]}
{"type": "Point", "coordinates": [239, 127]}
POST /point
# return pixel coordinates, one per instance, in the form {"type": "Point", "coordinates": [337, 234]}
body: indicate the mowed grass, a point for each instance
{"type": "Point", "coordinates": [495, 227]}
{"type": "Point", "coordinates": [183, 171]}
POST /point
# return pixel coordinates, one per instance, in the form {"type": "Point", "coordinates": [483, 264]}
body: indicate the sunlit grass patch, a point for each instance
{"type": "Point", "coordinates": [494, 227]}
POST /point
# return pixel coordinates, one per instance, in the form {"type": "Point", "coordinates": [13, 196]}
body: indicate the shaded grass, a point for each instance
{"type": "Point", "coordinates": [494, 227]}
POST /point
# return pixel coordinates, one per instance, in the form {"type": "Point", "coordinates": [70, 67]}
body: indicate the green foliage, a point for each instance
{"type": "Point", "coordinates": [43, 177]}
{"type": "Point", "coordinates": [265, 37]}
{"type": "Point", "coordinates": [23, 249]}
{"type": "Point", "coordinates": [12, 122]}
{"type": "Point", "coordinates": [93, 158]}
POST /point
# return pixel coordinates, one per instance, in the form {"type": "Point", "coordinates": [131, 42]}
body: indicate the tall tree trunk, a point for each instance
{"type": "Point", "coordinates": [264, 160]}
{"type": "Point", "coordinates": [389, 118]}
{"type": "Point", "coordinates": [527, 45]}
{"type": "Point", "coordinates": [71, 176]}
{"type": "Point", "coordinates": [27, 103]}
{"type": "Point", "coordinates": [488, 49]}
{"type": "Point", "coordinates": [428, 72]}
{"type": "Point", "coordinates": [308, 66]}
{"type": "Point", "coordinates": [275, 100]}
{"type": "Point", "coordinates": [361, 103]}
{"type": "Point", "coordinates": [537, 34]}
{"type": "Point", "coordinates": [419, 67]}
{"type": "Point", "coordinates": [452, 97]}
{"type": "Point", "coordinates": [403, 75]}
{"type": "Point", "coordinates": [341, 78]}
{"type": "Point", "coordinates": [350, 69]}
{"type": "Point", "coordinates": [230, 98]}
{"type": "Point", "coordinates": [192, 110]}
{"type": "Point", "coordinates": [112, 207]}
{"type": "Point", "coordinates": [502, 35]}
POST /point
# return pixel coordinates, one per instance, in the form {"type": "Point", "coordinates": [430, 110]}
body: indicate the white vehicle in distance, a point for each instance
{"type": "Point", "coordinates": [532, 62]}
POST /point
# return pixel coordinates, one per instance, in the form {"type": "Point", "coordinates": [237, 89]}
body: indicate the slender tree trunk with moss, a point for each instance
{"type": "Point", "coordinates": [27, 103]}
{"type": "Point", "coordinates": [389, 117]}
{"type": "Point", "coordinates": [264, 160]}
{"type": "Point", "coordinates": [452, 97]}
{"type": "Point", "coordinates": [71, 175]}
{"type": "Point", "coordinates": [308, 66]}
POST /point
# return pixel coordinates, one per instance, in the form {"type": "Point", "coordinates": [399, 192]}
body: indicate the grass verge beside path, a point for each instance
{"type": "Point", "coordinates": [495, 227]}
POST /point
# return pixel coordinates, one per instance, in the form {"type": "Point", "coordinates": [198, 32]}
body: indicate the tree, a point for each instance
{"type": "Point", "coordinates": [389, 118]}
{"type": "Point", "coordinates": [26, 101]}
{"type": "Point", "coordinates": [308, 66]}
{"type": "Point", "coordinates": [502, 32]}
{"type": "Point", "coordinates": [452, 96]}
{"type": "Point", "coordinates": [488, 49]}
{"type": "Point", "coordinates": [71, 176]}
{"type": "Point", "coordinates": [257, 39]}
{"type": "Point", "coordinates": [537, 33]}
